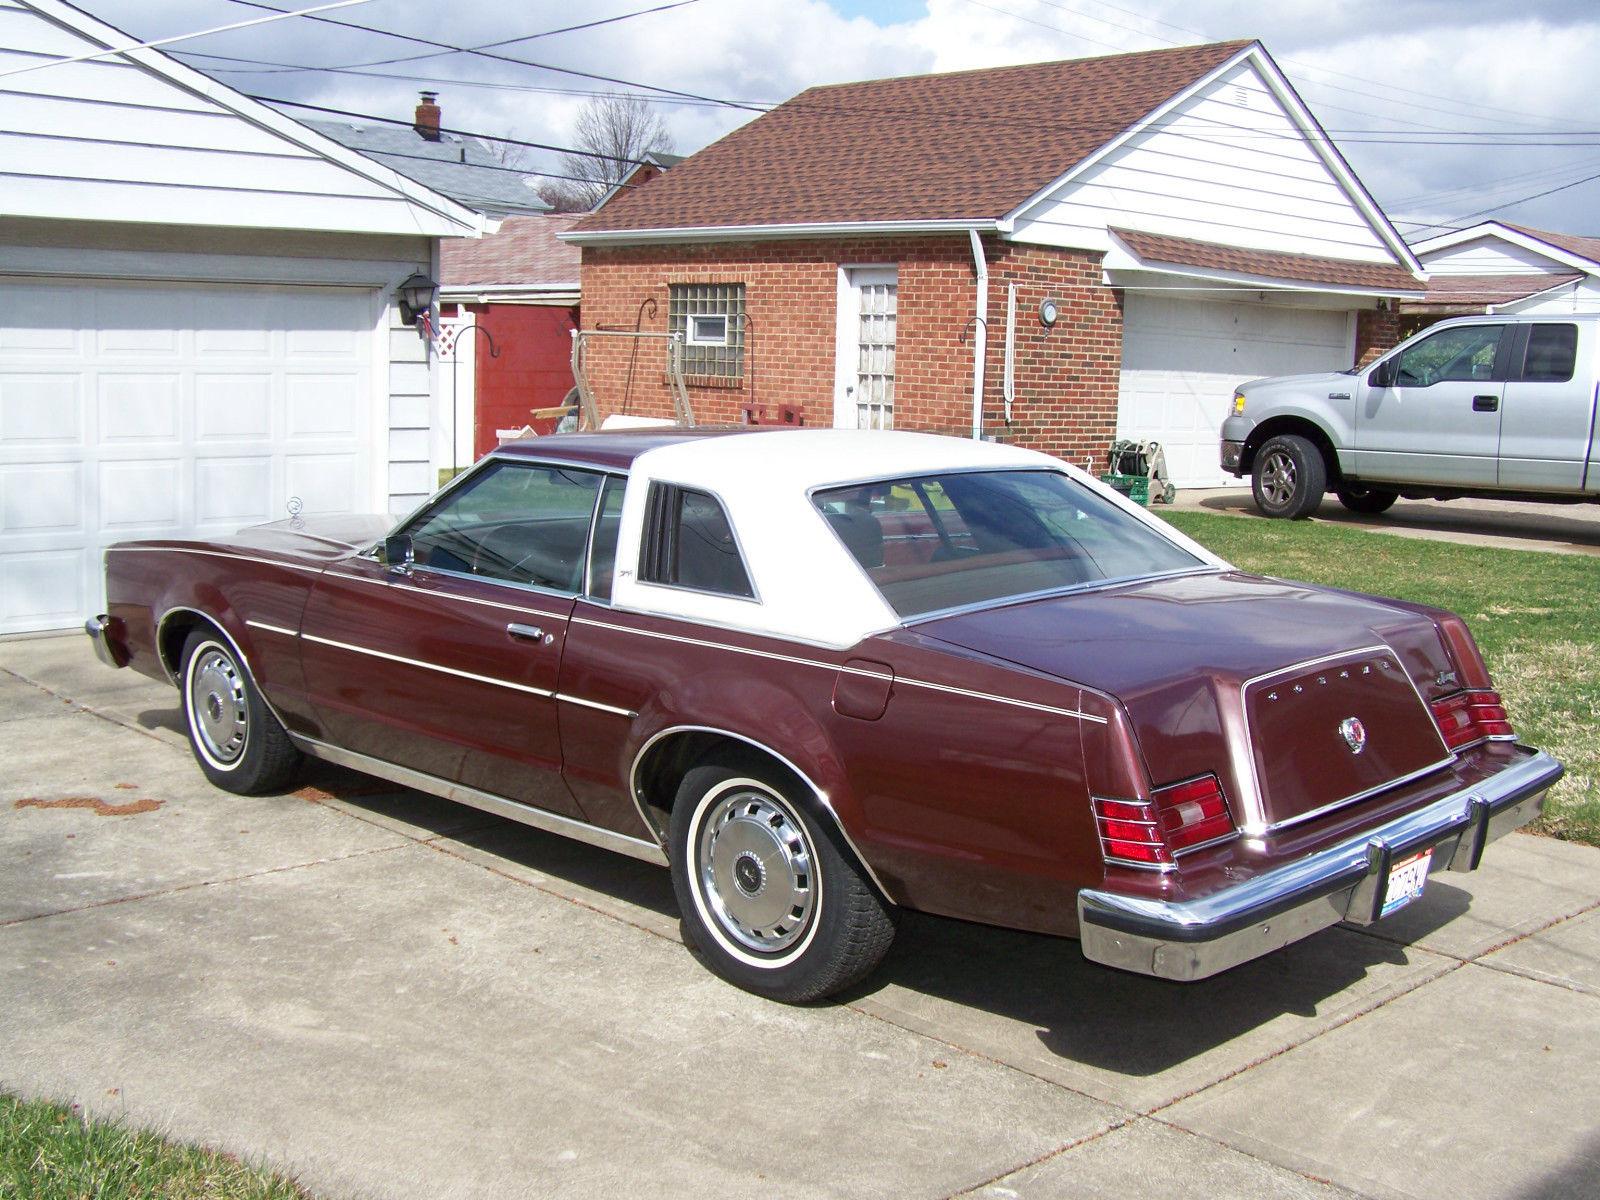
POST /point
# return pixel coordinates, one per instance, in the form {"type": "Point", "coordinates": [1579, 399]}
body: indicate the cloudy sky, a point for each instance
{"type": "Point", "coordinates": [1448, 109]}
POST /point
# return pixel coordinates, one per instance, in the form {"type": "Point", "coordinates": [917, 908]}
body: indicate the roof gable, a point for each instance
{"type": "Point", "coordinates": [1550, 251]}
{"type": "Point", "coordinates": [137, 136]}
{"type": "Point", "coordinates": [967, 146]}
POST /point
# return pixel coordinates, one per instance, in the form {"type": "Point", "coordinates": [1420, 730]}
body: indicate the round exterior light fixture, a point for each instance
{"type": "Point", "coordinates": [1049, 313]}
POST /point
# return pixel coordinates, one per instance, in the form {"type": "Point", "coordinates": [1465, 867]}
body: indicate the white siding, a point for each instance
{"type": "Point", "coordinates": [1490, 255]}
{"type": "Point", "coordinates": [110, 139]}
{"type": "Point", "coordinates": [1582, 297]}
{"type": "Point", "coordinates": [1227, 166]}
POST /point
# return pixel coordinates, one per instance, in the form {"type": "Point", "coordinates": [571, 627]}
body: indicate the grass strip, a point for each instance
{"type": "Point", "coordinates": [51, 1152]}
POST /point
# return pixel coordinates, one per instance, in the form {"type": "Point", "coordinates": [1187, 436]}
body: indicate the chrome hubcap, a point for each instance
{"type": "Point", "coordinates": [754, 865]}
{"type": "Point", "coordinates": [1277, 477]}
{"type": "Point", "coordinates": [217, 706]}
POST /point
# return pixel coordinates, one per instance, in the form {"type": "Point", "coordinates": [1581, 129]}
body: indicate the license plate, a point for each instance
{"type": "Point", "coordinates": [1406, 881]}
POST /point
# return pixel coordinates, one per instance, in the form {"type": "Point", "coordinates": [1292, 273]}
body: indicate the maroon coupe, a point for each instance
{"type": "Point", "coordinates": [824, 675]}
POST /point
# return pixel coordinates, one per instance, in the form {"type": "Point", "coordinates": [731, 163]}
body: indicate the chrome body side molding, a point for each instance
{"type": "Point", "coordinates": [488, 802]}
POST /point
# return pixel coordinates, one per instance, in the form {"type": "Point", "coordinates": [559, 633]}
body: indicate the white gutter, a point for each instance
{"type": "Point", "coordinates": [980, 332]}
{"type": "Point", "coordinates": [1008, 387]}
{"type": "Point", "coordinates": [714, 233]}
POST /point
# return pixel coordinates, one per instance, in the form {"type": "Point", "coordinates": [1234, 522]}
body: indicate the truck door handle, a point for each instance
{"type": "Point", "coordinates": [1338, 395]}
{"type": "Point", "coordinates": [529, 633]}
{"type": "Point", "coordinates": [1485, 403]}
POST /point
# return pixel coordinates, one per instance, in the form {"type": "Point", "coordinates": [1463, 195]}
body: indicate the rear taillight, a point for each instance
{"type": "Point", "coordinates": [1179, 817]}
{"type": "Point", "coordinates": [1467, 718]}
{"type": "Point", "coordinates": [1193, 813]}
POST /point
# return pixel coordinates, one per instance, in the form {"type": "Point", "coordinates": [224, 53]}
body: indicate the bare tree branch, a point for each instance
{"type": "Point", "coordinates": [618, 127]}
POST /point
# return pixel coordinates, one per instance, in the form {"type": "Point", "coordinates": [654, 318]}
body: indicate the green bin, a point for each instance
{"type": "Point", "coordinates": [1134, 487]}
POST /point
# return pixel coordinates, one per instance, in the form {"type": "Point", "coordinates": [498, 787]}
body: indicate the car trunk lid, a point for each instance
{"type": "Point", "coordinates": [1316, 685]}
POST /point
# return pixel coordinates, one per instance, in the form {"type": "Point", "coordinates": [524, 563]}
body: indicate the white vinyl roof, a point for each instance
{"type": "Point", "coordinates": [808, 586]}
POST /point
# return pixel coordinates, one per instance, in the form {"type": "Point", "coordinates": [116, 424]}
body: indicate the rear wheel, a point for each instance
{"type": "Point", "coordinates": [768, 897]}
{"type": "Point", "coordinates": [236, 739]}
{"type": "Point", "coordinates": [1289, 477]}
{"type": "Point", "coordinates": [1370, 501]}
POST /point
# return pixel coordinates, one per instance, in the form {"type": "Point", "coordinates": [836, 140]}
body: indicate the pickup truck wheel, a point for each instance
{"type": "Point", "coordinates": [1289, 477]}
{"type": "Point", "coordinates": [768, 897]}
{"type": "Point", "coordinates": [1367, 500]}
{"type": "Point", "coordinates": [236, 739]}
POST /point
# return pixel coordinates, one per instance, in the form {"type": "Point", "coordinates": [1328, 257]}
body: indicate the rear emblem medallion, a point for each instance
{"type": "Point", "coordinates": [1354, 734]}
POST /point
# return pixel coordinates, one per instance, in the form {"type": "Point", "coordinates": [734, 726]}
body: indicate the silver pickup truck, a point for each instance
{"type": "Point", "coordinates": [1500, 407]}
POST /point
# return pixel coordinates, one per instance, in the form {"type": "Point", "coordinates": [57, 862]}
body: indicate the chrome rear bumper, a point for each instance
{"type": "Point", "coordinates": [105, 634]}
{"type": "Point", "coordinates": [1193, 939]}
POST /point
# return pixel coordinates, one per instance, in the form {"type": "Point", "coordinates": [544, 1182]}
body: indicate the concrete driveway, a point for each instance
{"type": "Point", "coordinates": [383, 995]}
{"type": "Point", "coordinates": [1508, 524]}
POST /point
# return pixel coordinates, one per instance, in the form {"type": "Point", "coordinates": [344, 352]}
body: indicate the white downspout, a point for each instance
{"type": "Point", "coordinates": [980, 337]}
{"type": "Point", "coordinates": [1008, 383]}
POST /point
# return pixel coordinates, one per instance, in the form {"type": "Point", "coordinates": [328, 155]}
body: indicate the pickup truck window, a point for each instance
{"type": "Point", "coordinates": [689, 543]}
{"type": "Point", "coordinates": [514, 523]}
{"type": "Point", "coordinates": [1465, 352]}
{"type": "Point", "coordinates": [942, 541]}
{"type": "Point", "coordinates": [1552, 353]}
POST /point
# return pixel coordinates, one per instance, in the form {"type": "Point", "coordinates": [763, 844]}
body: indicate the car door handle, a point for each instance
{"type": "Point", "coordinates": [1338, 395]}
{"type": "Point", "coordinates": [529, 633]}
{"type": "Point", "coordinates": [1485, 403]}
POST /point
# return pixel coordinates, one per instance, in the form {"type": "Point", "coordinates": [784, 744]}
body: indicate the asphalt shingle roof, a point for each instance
{"type": "Point", "coordinates": [1572, 243]}
{"type": "Point", "coordinates": [1492, 289]}
{"type": "Point", "coordinates": [523, 252]}
{"type": "Point", "coordinates": [971, 145]}
{"type": "Point", "coordinates": [458, 167]}
{"type": "Point", "coordinates": [1305, 268]}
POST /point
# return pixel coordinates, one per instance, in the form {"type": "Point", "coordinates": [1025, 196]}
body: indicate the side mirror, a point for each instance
{"type": "Point", "coordinates": [1383, 374]}
{"type": "Point", "coordinates": [398, 552]}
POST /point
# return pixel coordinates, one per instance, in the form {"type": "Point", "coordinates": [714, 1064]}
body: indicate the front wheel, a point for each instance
{"type": "Point", "coordinates": [236, 739]}
{"type": "Point", "coordinates": [768, 897]}
{"type": "Point", "coordinates": [1289, 477]}
{"type": "Point", "coordinates": [1370, 501]}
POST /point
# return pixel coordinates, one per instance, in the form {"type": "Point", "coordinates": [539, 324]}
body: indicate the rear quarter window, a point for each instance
{"type": "Point", "coordinates": [689, 543]}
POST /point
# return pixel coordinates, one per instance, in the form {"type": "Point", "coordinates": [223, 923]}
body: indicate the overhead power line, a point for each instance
{"type": "Point", "coordinates": [483, 137]}
{"type": "Point", "coordinates": [178, 37]}
{"type": "Point", "coordinates": [506, 58]}
{"type": "Point", "coordinates": [1484, 212]}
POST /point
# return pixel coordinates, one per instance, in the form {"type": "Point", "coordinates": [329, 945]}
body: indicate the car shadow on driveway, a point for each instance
{"type": "Point", "coordinates": [1133, 1025]}
{"type": "Point", "coordinates": [964, 974]}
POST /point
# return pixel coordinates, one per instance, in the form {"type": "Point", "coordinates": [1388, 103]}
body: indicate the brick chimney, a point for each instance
{"type": "Point", "coordinates": [427, 119]}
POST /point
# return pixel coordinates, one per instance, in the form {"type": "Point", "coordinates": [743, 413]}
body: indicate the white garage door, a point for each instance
{"type": "Point", "coordinates": [1181, 360]}
{"type": "Point", "coordinates": [168, 410]}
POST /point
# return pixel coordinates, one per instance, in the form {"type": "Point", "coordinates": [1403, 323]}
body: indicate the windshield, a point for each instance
{"type": "Point", "coordinates": [941, 541]}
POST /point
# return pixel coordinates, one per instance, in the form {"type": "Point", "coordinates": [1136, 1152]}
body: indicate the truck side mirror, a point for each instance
{"type": "Point", "coordinates": [1382, 375]}
{"type": "Point", "coordinates": [398, 552]}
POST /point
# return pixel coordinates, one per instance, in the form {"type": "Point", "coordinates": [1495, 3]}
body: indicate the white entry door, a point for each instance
{"type": "Point", "coordinates": [169, 411]}
{"type": "Point", "coordinates": [1182, 359]}
{"type": "Point", "coordinates": [864, 374]}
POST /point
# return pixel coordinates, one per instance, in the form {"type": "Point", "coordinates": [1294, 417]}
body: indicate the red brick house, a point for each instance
{"type": "Point", "coordinates": [1053, 254]}
{"type": "Point", "coordinates": [508, 306]}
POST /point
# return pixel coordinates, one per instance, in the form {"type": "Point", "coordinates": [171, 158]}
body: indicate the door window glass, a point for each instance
{"type": "Point", "coordinates": [603, 555]}
{"type": "Point", "coordinates": [1465, 353]}
{"type": "Point", "coordinates": [1552, 353]}
{"type": "Point", "coordinates": [514, 523]}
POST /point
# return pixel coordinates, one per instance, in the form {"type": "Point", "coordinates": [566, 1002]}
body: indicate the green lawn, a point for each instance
{"type": "Point", "coordinates": [1535, 615]}
{"type": "Point", "coordinates": [50, 1153]}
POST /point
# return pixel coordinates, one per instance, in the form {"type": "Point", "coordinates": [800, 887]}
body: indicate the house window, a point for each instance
{"type": "Point", "coordinates": [710, 316]}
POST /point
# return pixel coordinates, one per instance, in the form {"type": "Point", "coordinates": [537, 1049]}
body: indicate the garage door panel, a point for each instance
{"type": "Point", "coordinates": [139, 408]}
{"type": "Point", "coordinates": [321, 406]}
{"type": "Point", "coordinates": [231, 408]}
{"type": "Point", "coordinates": [141, 498]}
{"type": "Point", "coordinates": [40, 410]}
{"type": "Point", "coordinates": [43, 589]}
{"type": "Point", "coordinates": [1182, 359]}
{"type": "Point", "coordinates": [38, 498]}
{"type": "Point", "coordinates": [169, 410]}
{"type": "Point", "coordinates": [232, 491]}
